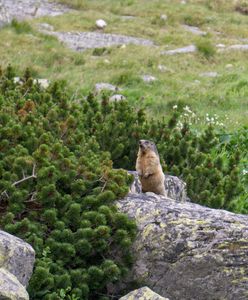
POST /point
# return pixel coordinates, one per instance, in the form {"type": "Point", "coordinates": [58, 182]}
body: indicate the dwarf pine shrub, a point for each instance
{"type": "Point", "coordinates": [57, 190]}
{"type": "Point", "coordinates": [58, 185]}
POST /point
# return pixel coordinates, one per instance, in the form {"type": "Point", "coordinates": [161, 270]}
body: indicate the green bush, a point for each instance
{"type": "Point", "coordinates": [57, 184]}
{"type": "Point", "coordinates": [57, 190]}
{"type": "Point", "coordinates": [196, 156]}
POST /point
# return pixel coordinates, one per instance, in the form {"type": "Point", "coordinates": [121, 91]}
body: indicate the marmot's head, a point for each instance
{"type": "Point", "coordinates": [146, 146]}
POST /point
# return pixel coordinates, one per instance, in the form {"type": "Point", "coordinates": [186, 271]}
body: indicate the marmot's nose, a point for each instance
{"type": "Point", "coordinates": [140, 142]}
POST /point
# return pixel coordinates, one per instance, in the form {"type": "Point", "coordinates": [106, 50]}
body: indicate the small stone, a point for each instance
{"type": "Point", "coordinates": [45, 26]}
{"type": "Point", "coordinates": [123, 46]}
{"type": "Point", "coordinates": [163, 17]}
{"type": "Point", "coordinates": [17, 80]}
{"type": "Point", "coordinates": [106, 61]}
{"type": "Point", "coordinates": [117, 97]}
{"type": "Point", "coordinates": [105, 86]}
{"type": "Point", "coordinates": [229, 66]}
{"type": "Point", "coordinates": [197, 81]}
{"type": "Point", "coordinates": [183, 2]}
{"type": "Point", "coordinates": [43, 82]}
{"type": "Point", "coordinates": [148, 78]}
{"type": "Point", "coordinates": [163, 68]}
{"type": "Point", "coordinates": [220, 46]}
{"type": "Point", "coordinates": [101, 24]}
{"type": "Point", "coordinates": [209, 74]}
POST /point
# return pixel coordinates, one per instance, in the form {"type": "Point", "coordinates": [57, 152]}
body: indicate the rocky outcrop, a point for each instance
{"type": "Point", "coordinates": [187, 251]}
{"type": "Point", "coordinates": [81, 41]}
{"type": "Point", "coordinates": [16, 266]}
{"type": "Point", "coordinates": [143, 294]}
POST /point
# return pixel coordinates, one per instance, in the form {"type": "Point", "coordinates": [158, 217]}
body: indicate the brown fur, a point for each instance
{"type": "Point", "coordinates": [149, 168]}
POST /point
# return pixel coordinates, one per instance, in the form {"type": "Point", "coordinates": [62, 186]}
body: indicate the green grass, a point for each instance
{"type": "Point", "coordinates": [226, 95]}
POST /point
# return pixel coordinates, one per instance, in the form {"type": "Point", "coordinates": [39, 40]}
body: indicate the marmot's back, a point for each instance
{"type": "Point", "coordinates": [149, 168]}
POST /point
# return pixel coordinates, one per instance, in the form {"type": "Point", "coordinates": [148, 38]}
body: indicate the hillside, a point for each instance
{"type": "Point", "coordinates": [212, 79]}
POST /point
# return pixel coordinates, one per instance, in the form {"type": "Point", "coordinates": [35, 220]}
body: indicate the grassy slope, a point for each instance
{"type": "Point", "coordinates": [226, 96]}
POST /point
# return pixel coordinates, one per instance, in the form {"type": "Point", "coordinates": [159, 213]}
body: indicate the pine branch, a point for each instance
{"type": "Point", "coordinates": [25, 178]}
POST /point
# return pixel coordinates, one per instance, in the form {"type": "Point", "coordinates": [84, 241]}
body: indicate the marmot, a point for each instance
{"type": "Point", "coordinates": [149, 168]}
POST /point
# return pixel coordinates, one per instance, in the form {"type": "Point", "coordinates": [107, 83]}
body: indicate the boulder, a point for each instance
{"type": "Point", "coordinates": [143, 294]}
{"type": "Point", "coordinates": [10, 287]}
{"type": "Point", "coordinates": [187, 251]}
{"type": "Point", "coordinates": [16, 266]}
{"type": "Point", "coordinates": [16, 256]}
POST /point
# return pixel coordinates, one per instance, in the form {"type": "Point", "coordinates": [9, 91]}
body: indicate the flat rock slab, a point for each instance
{"type": "Point", "coordinates": [80, 41]}
{"type": "Point", "coordinates": [209, 74]}
{"type": "Point", "coordinates": [194, 30]}
{"type": "Point", "coordinates": [187, 251]}
{"type": "Point", "coordinates": [187, 49]}
{"type": "Point", "coordinates": [16, 256]}
{"type": "Point", "coordinates": [235, 47]}
{"type": "Point", "coordinates": [25, 9]}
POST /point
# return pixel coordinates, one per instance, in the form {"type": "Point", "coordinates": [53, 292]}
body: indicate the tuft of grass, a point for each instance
{"type": "Point", "coordinates": [101, 51]}
{"type": "Point", "coordinates": [194, 19]}
{"type": "Point", "coordinates": [205, 47]}
{"type": "Point", "coordinates": [126, 78]}
{"type": "Point", "coordinates": [21, 27]}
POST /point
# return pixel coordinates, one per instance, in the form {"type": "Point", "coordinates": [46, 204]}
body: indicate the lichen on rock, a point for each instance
{"type": "Point", "coordinates": [16, 266]}
{"type": "Point", "coordinates": [143, 294]}
{"type": "Point", "coordinates": [187, 251]}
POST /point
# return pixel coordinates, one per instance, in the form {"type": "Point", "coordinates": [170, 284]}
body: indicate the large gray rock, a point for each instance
{"type": "Point", "coordinates": [143, 294]}
{"type": "Point", "coordinates": [10, 287]}
{"type": "Point", "coordinates": [16, 256]}
{"type": "Point", "coordinates": [187, 251]}
{"type": "Point", "coordinates": [175, 187]}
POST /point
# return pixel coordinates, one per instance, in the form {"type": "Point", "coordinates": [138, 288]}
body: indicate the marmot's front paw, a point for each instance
{"type": "Point", "coordinates": [146, 175]}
